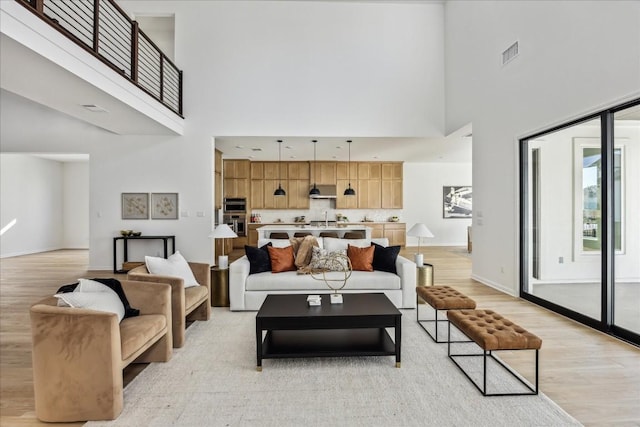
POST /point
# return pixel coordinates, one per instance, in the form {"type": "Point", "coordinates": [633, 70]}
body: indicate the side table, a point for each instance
{"type": "Point", "coordinates": [219, 287]}
{"type": "Point", "coordinates": [425, 275]}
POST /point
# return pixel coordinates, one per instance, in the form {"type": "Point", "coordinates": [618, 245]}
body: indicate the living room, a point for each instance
{"type": "Point", "coordinates": [354, 70]}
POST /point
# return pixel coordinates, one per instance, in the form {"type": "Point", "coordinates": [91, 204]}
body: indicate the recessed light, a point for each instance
{"type": "Point", "coordinates": [256, 149]}
{"type": "Point", "coordinates": [376, 157]}
{"type": "Point", "coordinates": [288, 147]}
{"type": "Point", "coordinates": [239, 146]}
{"type": "Point", "coordinates": [292, 157]}
{"type": "Point", "coordinates": [95, 108]}
{"type": "Point", "coordinates": [339, 147]}
{"type": "Point", "coordinates": [335, 157]}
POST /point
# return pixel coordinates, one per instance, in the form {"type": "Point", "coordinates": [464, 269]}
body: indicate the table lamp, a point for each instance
{"type": "Point", "coordinates": [223, 231]}
{"type": "Point", "coordinates": [419, 230]}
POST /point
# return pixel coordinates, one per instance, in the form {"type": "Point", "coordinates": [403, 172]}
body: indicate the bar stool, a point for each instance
{"type": "Point", "coordinates": [279, 235]}
{"type": "Point", "coordinates": [353, 235]}
{"type": "Point", "coordinates": [329, 234]}
{"type": "Point", "coordinates": [301, 233]}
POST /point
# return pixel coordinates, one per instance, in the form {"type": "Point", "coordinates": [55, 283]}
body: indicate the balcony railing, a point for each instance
{"type": "Point", "coordinates": [104, 29]}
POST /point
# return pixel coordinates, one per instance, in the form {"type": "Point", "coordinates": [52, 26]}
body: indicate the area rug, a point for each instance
{"type": "Point", "coordinates": [212, 381]}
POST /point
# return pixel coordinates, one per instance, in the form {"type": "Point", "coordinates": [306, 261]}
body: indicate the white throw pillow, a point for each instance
{"type": "Point", "coordinates": [332, 244]}
{"type": "Point", "coordinates": [93, 295]}
{"type": "Point", "coordinates": [276, 243]}
{"type": "Point", "coordinates": [174, 266]}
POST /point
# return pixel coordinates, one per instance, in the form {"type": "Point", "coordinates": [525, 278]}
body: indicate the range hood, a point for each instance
{"type": "Point", "coordinates": [326, 192]}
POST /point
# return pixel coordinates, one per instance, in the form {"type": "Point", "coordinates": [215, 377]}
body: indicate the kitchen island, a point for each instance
{"type": "Point", "coordinates": [266, 230]}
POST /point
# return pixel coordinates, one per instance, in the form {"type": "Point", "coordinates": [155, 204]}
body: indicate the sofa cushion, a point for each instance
{"type": "Point", "coordinates": [361, 258]}
{"type": "Point", "coordinates": [303, 249]}
{"type": "Point", "coordinates": [193, 296]}
{"type": "Point", "coordinates": [281, 259]}
{"type": "Point", "coordinates": [332, 244]}
{"type": "Point", "coordinates": [174, 266]}
{"type": "Point", "coordinates": [292, 281]}
{"type": "Point", "coordinates": [384, 259]}
{"type": "Point", "coordinates": [138, 332]}
{"type": "Point", "coordinates": [259, 260]}
{"type": "Point", "coordinates": [283, 243]}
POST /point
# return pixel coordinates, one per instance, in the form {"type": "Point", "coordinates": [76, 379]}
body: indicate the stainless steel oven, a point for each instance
{"type": "Point", "coordinates": [237, 222]}
{"type": "Point", "coordinates": [235, 205]}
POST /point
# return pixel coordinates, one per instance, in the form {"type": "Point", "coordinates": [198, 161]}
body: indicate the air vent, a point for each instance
{"type": "Point", "coordinates": [509, 54]}
{"type": "Point", "coordinates": [256, 149]}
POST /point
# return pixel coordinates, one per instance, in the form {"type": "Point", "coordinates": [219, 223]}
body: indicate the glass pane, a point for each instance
{"type": "Point", "coordinates": [626, 310]}
{"type": "Point", "coordinates": [564, 239]}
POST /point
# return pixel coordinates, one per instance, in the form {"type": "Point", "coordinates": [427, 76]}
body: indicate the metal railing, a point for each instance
{"type": "Point", "coordinates": [102, 28]}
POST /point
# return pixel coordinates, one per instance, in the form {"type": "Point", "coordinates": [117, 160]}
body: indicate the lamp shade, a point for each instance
{"type": "Point", "coordinates": [419, 230]}
{"type": "Point", "coordinates": [223, 231]}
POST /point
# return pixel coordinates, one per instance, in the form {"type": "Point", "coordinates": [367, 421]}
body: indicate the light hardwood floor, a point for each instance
{"type": "Point", "coordinates": [592, 376]}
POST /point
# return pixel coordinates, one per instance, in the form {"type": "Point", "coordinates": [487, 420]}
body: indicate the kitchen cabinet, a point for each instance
{"type": "Point", "coordinates": [391, 186]}
{"type": "Point", "coordinates": [236, 178]}
{"type": "Point", "coordinates": [217, 179]}
{"type": "Point", "coordinates": [396, 232]}
{"type": "Point", "coordinates": [298, 170]}
{"type": "Point", "coordinates": [323, 173]}
{"type": "Point", "coordinates": [236, 187]}
{"type": "Point", "coordinates": [257, 194]}
{"type": "Point", "coordinates": [298, 193]}
{"type": "Point", "coordinates": [368, 193]}
{"type": "Point", "coordinates": [271, 201]}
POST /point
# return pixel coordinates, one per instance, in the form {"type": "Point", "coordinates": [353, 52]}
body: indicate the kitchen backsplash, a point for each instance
{"type": "Point", "coordinates": [317, 209]}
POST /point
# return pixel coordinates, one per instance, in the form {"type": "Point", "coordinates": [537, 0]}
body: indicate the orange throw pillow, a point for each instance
{"type": "Point", "coordinates": [281, 259]}
{"type": "Point", "coordinates": [361, 258]}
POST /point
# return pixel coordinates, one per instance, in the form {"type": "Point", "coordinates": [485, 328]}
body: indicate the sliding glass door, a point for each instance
{"type": "Point", "coordinates": [580, 220]}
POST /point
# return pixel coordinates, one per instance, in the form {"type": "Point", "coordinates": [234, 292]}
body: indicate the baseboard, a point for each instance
{"type": "Point", "coordinates": [494, 285]}
{"type": "Point", "coordinates": [30, 252]}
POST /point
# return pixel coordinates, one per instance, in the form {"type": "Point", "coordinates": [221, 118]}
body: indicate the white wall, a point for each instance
{"type": "Point", "coordinates": [423, 184]}
{"type": "Point", "coordinates": [75, 207]}
{"type": "Point", "coordinates": [32, 193]}
{"type": "Point", "coordinates": [574, 57]}
{"type": "Point", "coordinates": [260, 68]}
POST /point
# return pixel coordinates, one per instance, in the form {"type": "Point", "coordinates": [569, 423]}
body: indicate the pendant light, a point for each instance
{"type": "Point", "coordinates": [279, 191]}
{"type": "Point", "coordinates": [314, 191]}
{"type": "Point", "coordinates": [349, 191]}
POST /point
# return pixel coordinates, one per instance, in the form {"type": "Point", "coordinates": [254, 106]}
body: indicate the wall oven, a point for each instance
{"type": "Point", "coordinates": [235, 205]}
{"type": "Point", "coordinates": [237, 222]}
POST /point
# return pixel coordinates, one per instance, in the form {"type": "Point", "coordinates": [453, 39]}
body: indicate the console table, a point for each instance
{"type": "Point", "coordinates": [125, 240]}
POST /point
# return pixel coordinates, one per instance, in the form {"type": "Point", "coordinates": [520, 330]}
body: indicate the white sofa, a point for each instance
{"type": "Point", "coordinates": [247, 292]}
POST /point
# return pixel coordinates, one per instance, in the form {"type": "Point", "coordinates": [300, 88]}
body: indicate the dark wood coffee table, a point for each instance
{"type": "Point", "coordinates": [354, 328]}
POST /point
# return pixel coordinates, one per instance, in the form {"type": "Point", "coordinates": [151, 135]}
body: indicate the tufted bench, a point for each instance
{"type": "Point", "coordinates": [493, 332]}
{"type": "Point", "coordinates": [441, 298]}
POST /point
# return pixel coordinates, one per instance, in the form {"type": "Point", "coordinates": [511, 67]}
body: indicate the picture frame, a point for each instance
{"type": "Point", "coordinates": [164, 205]}
{"type": "Point", "coordinates": [457, 201]}
{"type": "Point", "coordinates": [135, 205]}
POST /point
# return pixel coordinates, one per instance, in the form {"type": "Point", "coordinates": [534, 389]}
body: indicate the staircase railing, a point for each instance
{"type": "Point", "coordinates": [102, 28]}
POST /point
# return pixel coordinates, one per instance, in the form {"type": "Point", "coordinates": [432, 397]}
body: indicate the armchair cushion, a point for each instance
{"type": "Point", "coordinates": [174, 266]}
{"type": "Point", "coordinates": [115, 286]}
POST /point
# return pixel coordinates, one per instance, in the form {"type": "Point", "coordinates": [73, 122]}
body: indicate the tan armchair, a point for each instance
{"type": "Point", "coordinates": [79, 354]}
{"type": "Point", "coordinates": [193, 303]}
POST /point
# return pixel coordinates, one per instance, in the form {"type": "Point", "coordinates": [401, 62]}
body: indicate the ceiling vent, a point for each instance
{"type": "Point", "coordinates": [256, 149]}
{"type": "Point", "coordinates": [509, 54]}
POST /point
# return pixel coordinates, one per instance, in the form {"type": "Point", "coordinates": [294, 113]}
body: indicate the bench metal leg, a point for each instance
{"type": "Point", "coordinates": [533, 389]}
{"type": "Point", "coordinates": [422, 322]}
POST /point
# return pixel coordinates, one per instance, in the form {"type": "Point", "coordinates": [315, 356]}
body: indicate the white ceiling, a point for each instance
{"type": "Point", "coordinates": [34, 87]}
{"type": "Point", "coordinates": [456, 148]}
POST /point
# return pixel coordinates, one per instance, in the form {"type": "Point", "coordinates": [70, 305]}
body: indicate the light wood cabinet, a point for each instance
{"type": "Point", "coordinates": [343, 169]}
{"type": "Point", "coordinates": [257, 170]}
{"type": "Point", "coordinates": [369, 170]}
{"type": "Point", "coordinates": [298, 170]}
{"type": "Point", "coordinates": [275, 170]}
{"type": "Point", "coordinates": [323, 173]}
{"type": "Point", "coordinates": [217, 179]}
{"type": "Point", "coordinates": [257, 194]}
{"type": "Point", "coordinates": [377, 230]}
{"type": "Point", "coordinates": [236, 178]}
{"type": "Point", "coordinates": [236, 187]}
{"type": "Point", "coordinates": [391, 170]}
{"type": "Point", "coordinates": [396, 233]}
{"type": "Point", "coordinates": [271, 201]}
{"type": "Point", "coordinates": [368, 193]}
{"type": "Point", "coordinates": [298, 193]}
{"type": "Point", "coordinates": [391, 194]}
{"type": "Point", "coordinates": [345, 202]}
{"type": "Point", "coordinates": [236, 169]}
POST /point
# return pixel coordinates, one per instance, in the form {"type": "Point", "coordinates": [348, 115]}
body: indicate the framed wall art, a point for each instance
{"type": "Point", "coordinates": [135, 206]}
{"type": "Point", "coordinates": [164, 205]}
{"type": "Point", "coordinates": [456, 201]}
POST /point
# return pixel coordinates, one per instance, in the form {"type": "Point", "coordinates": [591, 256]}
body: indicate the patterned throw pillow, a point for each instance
{"type": "Point", "coordinates": [321, 259]}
